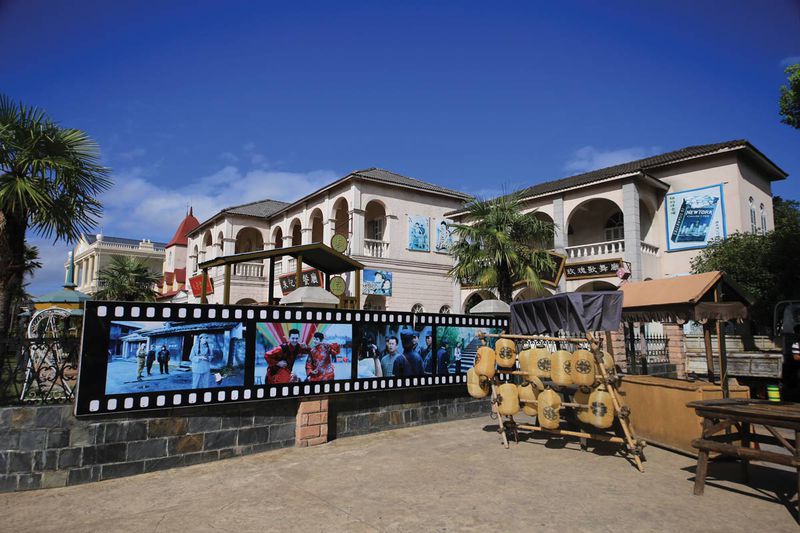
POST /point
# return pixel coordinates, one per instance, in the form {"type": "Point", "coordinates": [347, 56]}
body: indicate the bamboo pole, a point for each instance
{"type": "Point", "coordinates": [533, 337]}
{"type": "Point", "coordinates": [581, 434]}
{"type": "Point", "coordinates": [501, 423]}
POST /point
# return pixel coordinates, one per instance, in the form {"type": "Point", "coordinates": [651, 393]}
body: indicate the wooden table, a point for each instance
{"type": "Point", "coordinates": [741, 414]}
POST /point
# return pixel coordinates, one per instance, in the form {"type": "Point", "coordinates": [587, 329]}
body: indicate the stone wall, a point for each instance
{"type": "Point", "coordinates": [368, 413]}
{"type": "Point", "coordinates": [48, 447]}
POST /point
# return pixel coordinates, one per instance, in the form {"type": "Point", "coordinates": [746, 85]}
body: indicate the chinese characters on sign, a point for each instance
{"type": "Point", "coordinates": [309, 278]}
{"type": "Point", "coordinates": [695, 217]}
{"type": "Point", "coordinates": [196, 283]}
{"type": "Point", "coordinates": [593, 269]}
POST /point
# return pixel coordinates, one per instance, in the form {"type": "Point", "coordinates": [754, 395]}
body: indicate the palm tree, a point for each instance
{"type": "Point", "coordinates": [500, 245]}
{"type": "Point", "coordinates": [128, 280]}
{"type": "Point", "coordinates": [50, 178]}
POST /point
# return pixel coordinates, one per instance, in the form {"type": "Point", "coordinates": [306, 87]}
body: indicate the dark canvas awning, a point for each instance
{"type": "Point", "coordinates": [316, 255]}
{"type": "Point", "coordinates": [573, 312]}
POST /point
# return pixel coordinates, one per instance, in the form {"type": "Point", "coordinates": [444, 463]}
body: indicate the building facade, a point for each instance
{"type": "Point", "coordinates": [390, 222]}
{"type": "Point", "coordinates": [172, 286]}
{"type": "Point", "coordinates": [654, 215]}
{"type": "Point", "coordinates": [93, 253]}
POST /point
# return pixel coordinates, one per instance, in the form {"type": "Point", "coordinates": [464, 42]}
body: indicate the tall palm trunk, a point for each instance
{"type": "Point", "coordinates": [505, 284]}
{"type": "Point", "coordinates": [12, 264]}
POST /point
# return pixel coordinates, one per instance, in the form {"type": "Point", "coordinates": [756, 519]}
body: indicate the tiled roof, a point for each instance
{"type": "Point", "coordinates": [187, 225]}
{"type": "Point", "coordinates": [261, 208]}
{"type": "Point", "coordinates": [638, 166]}
{"type": "Point", "coordinates": [90, 239]}
{"type": "Point", "coordinates": [385, 176]}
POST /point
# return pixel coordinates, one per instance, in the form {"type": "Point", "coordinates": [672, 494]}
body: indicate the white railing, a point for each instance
{"type": "Point", "coordinates": [597, 248]}
{"type": "Point", "coordinates": [375, 248]}
{"type": "Point", "coordinates": [649, 249]}
{"type": "Point", "coordinates": [249, 270]}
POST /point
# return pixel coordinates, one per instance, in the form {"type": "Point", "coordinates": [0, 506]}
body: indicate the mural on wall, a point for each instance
{"type": "Point", "coordinates": [419, 233]}
{"type": "Point", "coordinates": [456, 347]}
{"type": "Point", "coordinates": [377, 282]}
{"type": "Point", "coordinates": [396, 351]}
{"type": "Point", "coordinates": [695, 217]}
{"type": "Point", "coordinates": [163, 356]}
{"type": "Point", "coordinates": [444, 236]}
{"type": "Point", "coordinates": [296, 352]}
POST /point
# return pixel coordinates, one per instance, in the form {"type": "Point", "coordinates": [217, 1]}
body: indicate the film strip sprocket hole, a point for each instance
{"type": "Point", "coordinates": [95, 397]}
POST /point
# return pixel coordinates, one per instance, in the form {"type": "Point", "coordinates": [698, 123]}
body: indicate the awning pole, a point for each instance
{"type": "Point", "coordinates": [298, 271]}
{"type": "Point", "coordinates": [271, 295]}
{"type": "Point", "coordinates": [203, 295]}
{"type": "Point", "coordinates": [723, 356]}
{"type": "Point", "coordinates": [709, 350]}
{"type": "Point", "coordinates": [226, 294]}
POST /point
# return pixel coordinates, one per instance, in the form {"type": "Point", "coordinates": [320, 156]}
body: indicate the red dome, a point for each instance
{"type": "Point", "coordinates": [188, 224]}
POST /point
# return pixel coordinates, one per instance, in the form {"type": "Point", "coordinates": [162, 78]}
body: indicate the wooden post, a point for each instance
{"type": "Point", "coordinates": [723, 356]}
{"type": "Point", "coordinates": [298, 271]}
{"type": "Point", "coordinates": [203, 295]}
{"type": "Point", "coordinates": [709, 351]}
{"type": "Point", "coordinates": [271, 295]}
{"type": "Point", "coordinates": [702, 461]}
{"type": "Point", "coordinates": [226, 294]}
{"type": "Point", "coordinates": [358, 289]}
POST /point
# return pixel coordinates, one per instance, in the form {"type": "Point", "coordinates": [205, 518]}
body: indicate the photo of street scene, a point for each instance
{"type": "Point", "coordinates": [166, 356]}
{"type": "Point", "coordinates": [297, 352]}
{"type": "Point", "coordinates": [456, 347]}
{"type": "Point", "coordinates": [395, 350]}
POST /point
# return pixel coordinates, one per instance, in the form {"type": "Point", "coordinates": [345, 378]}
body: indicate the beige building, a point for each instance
{"type": "Point", "coordinates": [93, 253]}
{"type": "Point", "coordinates": [656, 213]}
{"type": "Point", "coordinates": [380, 213]}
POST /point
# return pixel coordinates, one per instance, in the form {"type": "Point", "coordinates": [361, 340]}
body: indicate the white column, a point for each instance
{"type": "Point", "coordinates": [560, 236]}
{"type": "Point", "coordinates": [632, 228]}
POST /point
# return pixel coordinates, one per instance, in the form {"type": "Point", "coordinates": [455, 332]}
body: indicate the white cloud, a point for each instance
{"type": "Point", "coordinates": [132, 154]}
{"type": "Point", "coordinates": [591, 158]}
{"type": "Point", "coordinates": [791, 60]}
{"type": "Point", "coordinates": [229, 157]}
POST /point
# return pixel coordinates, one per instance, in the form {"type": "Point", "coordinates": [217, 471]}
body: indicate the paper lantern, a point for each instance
{"type": "Point", "coordinates": [548, 414]}
{"type": "Point", "coordinates": [601, 408]}
{"type": "Point", "coordinates": [507, 399]}
{"type": "Point", "coordinates": [484, 362]}
{"type": "Point", "coordinates": [528, 392]}
{"type": "Point", "coordinates": [506, 351]}
{"type": "Point", "coordinates": [561, 367]}
{"type": "Point", "coordinates": [477, 386]}
{"type": "Point", "coordinates": [582, 368]}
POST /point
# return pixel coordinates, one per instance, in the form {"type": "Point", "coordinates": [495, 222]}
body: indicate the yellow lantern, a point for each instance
{"type": "Point", "coordinates": [541, 363]}
{"type": "Point", "coordinates": [583, 368]}
{"type": "Point", "coordinates": [506, 351]}
{"type": "Point", "coordinates": [601, 408]}
{"type": "Point", "coordinates": [548, 414]}
{"type": "Point", "coordinates": [581, 397]}
{"type": "Point", "coordinates": [561, 367]}
{"type": "Point", "coordinates": [484, 362]}
{"type": "Point", "coordinates": [477, 386]}
{"type": "Point", "coordinates": [529, 393]}
{"type": "Point", "coordinates": [507, 399]}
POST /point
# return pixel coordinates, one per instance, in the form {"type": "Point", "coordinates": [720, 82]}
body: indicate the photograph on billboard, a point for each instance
{"type": "Point", "coordinates": [377, 282]}
{"type": "Point", "coordinates": [444, 236]}
{"type": "Point", "coordinates": [456, 347]}
{"type": "Point", "coordinates": [155, 356]}
{"type": "Point", "coordinates": [293, 352]}
{"type": "Point", "coordinates": [694, 218]}
{"type": "Point", "coordinates": [419, 233]}
{"type": "Point", "coordinates": [395, 350]}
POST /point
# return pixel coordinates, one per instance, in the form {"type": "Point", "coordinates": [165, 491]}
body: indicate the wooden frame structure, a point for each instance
{"type": "Point", "coordinates": [317, 255]}
{"type": "Point", "coordinates": [609, 379]}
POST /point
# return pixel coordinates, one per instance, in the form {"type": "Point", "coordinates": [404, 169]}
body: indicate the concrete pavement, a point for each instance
{"type": "Point", "coordinates": [452, 476]}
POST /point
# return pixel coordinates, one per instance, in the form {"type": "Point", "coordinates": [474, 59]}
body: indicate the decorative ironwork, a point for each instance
{"type": "Point", "coordinates": [647, 354]}
{"type": "Point", "coordinates": [42, 370]}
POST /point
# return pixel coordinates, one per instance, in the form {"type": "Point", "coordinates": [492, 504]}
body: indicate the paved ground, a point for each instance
{"type": "Point", "coordinates": [444, 477]}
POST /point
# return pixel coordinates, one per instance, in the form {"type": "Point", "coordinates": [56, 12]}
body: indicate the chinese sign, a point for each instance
{"type": "Point", "coordinates": [196, 283]}
{"type": "Point", "coordinates": [378, 282]}
{"type": "Point", "coordinates": [419, 233]}
{"type": "Point", "coordinates": [695, 217]}
{"type": "Point", "coordinates": [444, 236]}
{"type": "Point", "coordinates": [593, 269]}
{"type": "Point", "coordinates": [309, 278]}
{"type": "Point", "coordinates": [552, 277]}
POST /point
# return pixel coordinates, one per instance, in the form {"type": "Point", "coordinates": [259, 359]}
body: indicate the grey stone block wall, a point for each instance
{"type": "Point", "coordinates": [368, 413]}
{"type": "Point", "coordinates": [46, 446]}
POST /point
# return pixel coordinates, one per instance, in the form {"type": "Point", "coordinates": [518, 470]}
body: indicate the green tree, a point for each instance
{"type": "Point", "coordinates": [790, 97]}
{"type": "Point", "coordinates": [500, 245]}
{"type": "Point", "coordinates": [50, 178]}
{"type": "Point", "coordinates": [127, 280]}
{"type": "Point", "coordinates": [763, 264]}
{"type": "Point", "coordinates": [32, 264]}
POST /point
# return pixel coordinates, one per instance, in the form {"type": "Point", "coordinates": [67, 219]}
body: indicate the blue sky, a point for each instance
{"type": "Point", "coordinates": [218, 103]}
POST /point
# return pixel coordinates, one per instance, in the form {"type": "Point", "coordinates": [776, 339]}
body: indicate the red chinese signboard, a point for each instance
{"type": "Point", "coordinates": [196, 282]}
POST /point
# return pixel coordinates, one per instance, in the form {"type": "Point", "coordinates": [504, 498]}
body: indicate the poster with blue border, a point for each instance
{"type": "Point", "coordinates": [377, 282]}
{"type": "Point", "coordinates": [419, 233]}
{"type": "Point", "coordinates": [695, 217]}
{"type": "Point", "coordinates": [444, 236]}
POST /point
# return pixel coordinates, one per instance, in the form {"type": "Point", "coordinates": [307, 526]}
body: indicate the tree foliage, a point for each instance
{"type": "Point", "coordinates": [765, 265]}
{"type": "Point", "coordinates": [127, 280]}
{"type": "Point", "coordinates": [50, 178]}
{"type": "Point", "coordinates": [499, 245]}
{"type": "Point", "coordinates": [790, 97]}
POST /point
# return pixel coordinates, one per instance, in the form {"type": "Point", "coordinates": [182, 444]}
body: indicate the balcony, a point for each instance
{"type": "Point", "coordinates": [598, 249]}
{"type": "Point", "coordinates": [375, 248]}
{"type": "Point", "coordinates": [248, 270]}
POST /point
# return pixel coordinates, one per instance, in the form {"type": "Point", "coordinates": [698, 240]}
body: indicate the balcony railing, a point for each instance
{"type": "Point", "coordinates": [248, 270]}
{"type": "Point", "coordinates": [607, 248]}
{"type": "Point", "coordinates": [597, 248]}
{"type": "Point", "coordinates": [375, 248]}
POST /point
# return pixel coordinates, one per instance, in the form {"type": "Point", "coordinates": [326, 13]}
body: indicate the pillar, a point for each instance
{"type": "Point", "coordinates": [560, 237]}
{"type": "Point", "coordinates": [632, 228]}
{"type": "Point", "coordinates": [357, 221]}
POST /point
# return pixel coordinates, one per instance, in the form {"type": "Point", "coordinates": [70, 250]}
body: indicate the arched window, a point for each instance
{"type": "Point", "coordinates": [753, 225]}
{"type": "Point", "coordinates": [614, 227]}
{"type": "Point", "coordinates": [763, 219]}
{"type": "Point", "coordinates": [417, 308]}
{"type": "Point", "coordinates": [445, 310]}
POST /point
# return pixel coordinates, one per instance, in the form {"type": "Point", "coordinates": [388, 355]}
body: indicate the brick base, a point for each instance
{"type": "Point", "coordinates": [312, 423]}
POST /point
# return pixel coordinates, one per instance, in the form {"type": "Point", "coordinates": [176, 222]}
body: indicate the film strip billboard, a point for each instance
{"type": "Point", "coordinates": [140, 356]}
